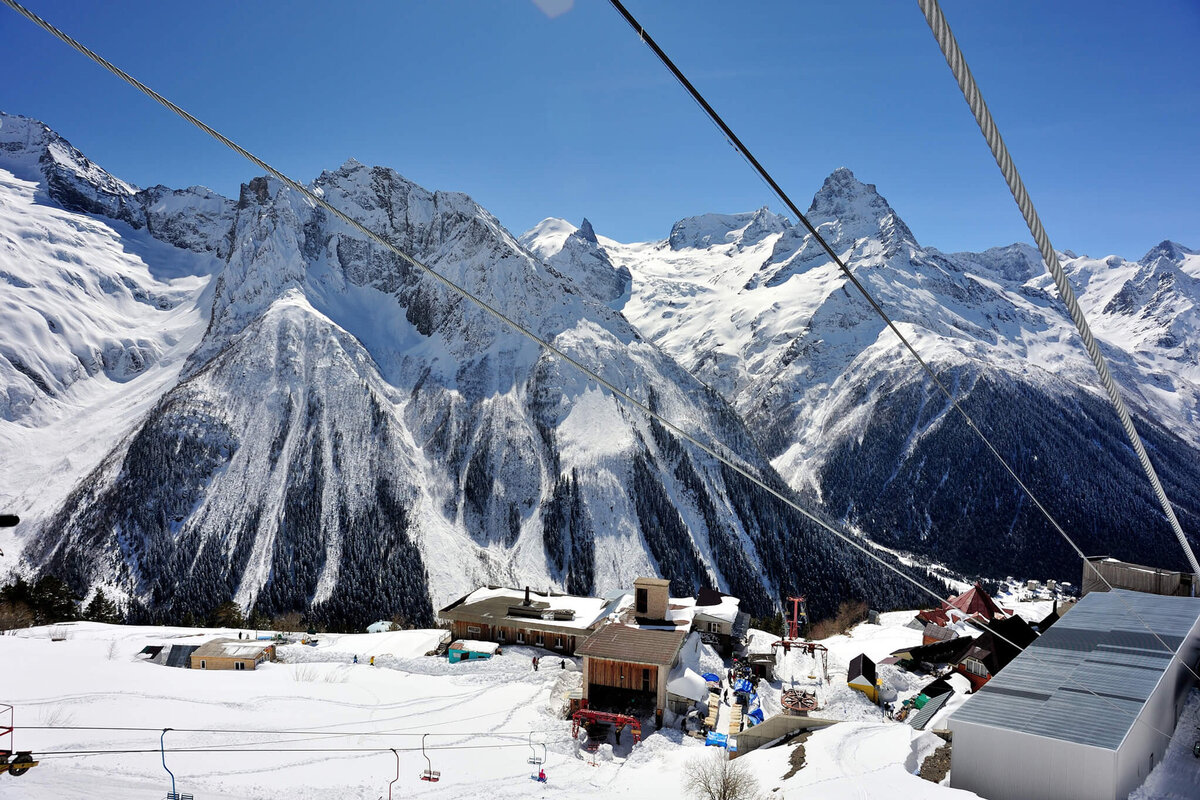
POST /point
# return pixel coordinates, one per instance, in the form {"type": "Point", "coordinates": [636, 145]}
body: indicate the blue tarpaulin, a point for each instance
{"type": "Point", "coordinates": [711, 677]}
{"type": "Point", "coordinates": [743, 685]}
{"type": "Point", "coordinates": [756, 715]}
{"type": "Point", "coordinates": [715, 739]}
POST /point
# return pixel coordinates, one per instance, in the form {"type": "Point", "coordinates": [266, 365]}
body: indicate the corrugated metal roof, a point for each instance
{"type": "Point", "coordinates": [1101, 647]}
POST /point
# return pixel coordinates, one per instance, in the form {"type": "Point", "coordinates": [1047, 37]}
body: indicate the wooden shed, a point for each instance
{"type": "Point", "coordinates": [625, 668]}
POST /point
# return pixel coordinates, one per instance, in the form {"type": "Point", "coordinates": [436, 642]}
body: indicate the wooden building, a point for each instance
{"type": "Point", "coordinates": [625, 668]}
{"type": "Point", "coordinates": [557, 622]}
{"type": "Point", "coordinates": [1123, 575]}
{"type": "Point", "coordinates": [235, 654]}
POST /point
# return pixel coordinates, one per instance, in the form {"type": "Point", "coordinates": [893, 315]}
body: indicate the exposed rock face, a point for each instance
{"type": "Point", "coordinates": [339, 433]}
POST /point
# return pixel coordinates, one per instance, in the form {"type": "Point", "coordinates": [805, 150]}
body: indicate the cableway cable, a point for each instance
{"type": "Point", "coordinates": [783, 196]}
{"type": "Point", "coordinates": [709, 450]}
{"type": "Point", "coordinates": [987, 126]}
{"type": "Point", "coordinates": [991, 134]}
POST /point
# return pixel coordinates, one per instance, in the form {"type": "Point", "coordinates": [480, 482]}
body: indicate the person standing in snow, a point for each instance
{"type": "Point", "coordinates": [372, 661]}
{"type": "Point", "coordinates": [535, 664]}
{"type": "Point", "coordinates": [356, 658]}
{"type": "Point", "coordinates": [562, 664]}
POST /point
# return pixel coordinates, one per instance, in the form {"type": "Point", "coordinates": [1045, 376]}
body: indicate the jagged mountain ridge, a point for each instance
{"type": "Point", "coordinates": [347, 436]}
{"type": "Point", "coordinates": [852, 422]}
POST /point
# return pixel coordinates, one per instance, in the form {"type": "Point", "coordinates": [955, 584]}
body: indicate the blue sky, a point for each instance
{"type": "Point", "coordinates": [572, 116]}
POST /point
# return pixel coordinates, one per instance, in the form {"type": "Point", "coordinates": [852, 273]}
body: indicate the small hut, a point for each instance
{"type": "Point", "coordinates": [471, 650]}
{"type": "Point", "coordinates": [861, 676]}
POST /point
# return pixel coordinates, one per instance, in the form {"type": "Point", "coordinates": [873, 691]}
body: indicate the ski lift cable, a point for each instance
{"type": "Point", "coordinates": [786, 199]}
{"type": "Point", "coordinates": [708, 449]}
{"type": "Point", "coordinates": [991, 134]}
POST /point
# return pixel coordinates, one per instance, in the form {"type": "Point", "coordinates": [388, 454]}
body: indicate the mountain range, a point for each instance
{"type": "Point", "coordinates": [205, 398]}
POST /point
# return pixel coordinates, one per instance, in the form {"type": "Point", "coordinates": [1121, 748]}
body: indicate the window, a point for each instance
{"type": "Point", "coordinates": [642, 601]}
{"type": "Point", "coordinates": [558, 642]}
{"type": "Point", "coordinates": [975, 667]}
{"type": "Point", "coordinates": [239, 665]}
{"type": "Point", "coordinates": [520, 637]}
{"type": "Point", "coordinates": [500, 634]}
{"type": "Point", "coordinates": [646, 680]}
{"type": "Point", "coordinates": [202, 664]}
{"type": "Point", "coordinates": [714, 627]}
{"type": "Point", "coordinates": [539, 639]}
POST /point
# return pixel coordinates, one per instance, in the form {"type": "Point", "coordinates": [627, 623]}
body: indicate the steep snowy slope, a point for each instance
{"type": "Point", "coordinates": [761, 314]}
{"type": "Point", "coordinates": [350, 437]}
{"type": "Point", "coordinates": [97, 317]}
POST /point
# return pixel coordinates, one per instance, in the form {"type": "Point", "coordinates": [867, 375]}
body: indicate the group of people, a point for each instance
{"type": "Point", "coordinates": [372, 659]}
{"type": "Point", "coordinates": [562, 663]}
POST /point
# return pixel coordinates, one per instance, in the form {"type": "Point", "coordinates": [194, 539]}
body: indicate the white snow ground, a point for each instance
{"type": "Point", "coordinates": [93, 679]}
{"type": "Point", "coordinates": [478, 715]}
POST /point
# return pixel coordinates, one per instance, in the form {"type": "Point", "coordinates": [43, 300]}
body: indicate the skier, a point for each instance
{"type": "Point", "coordinates": [372, 661]}
{"type": "Point", "coordinates": [356, 658]}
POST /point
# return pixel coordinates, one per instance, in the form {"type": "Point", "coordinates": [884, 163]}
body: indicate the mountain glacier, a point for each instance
{"type": "Point", "coordinates": [208, 399]}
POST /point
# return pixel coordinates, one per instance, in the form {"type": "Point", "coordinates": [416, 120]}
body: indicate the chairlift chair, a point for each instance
{"type": "Point", "coordinates": [429, 773]}
{"type": "Point", "coordinates": [537, 760]}
{"type": "Point", "coordinates": [534, 758]}
{"type": "Point", "coordinates": [171, 795]}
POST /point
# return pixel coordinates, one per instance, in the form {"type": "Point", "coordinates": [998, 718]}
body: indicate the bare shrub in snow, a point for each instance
{"type": "Point", "coordinates": [58, 633]}
{"type": "Point", "coordinates": [14, 615]}
{"type": "Point", "coordinates": [306, 673]}
{"type": "Point", "coordinates": [56, 717]}
{"type": "Point", "coordinates": [713, 776]}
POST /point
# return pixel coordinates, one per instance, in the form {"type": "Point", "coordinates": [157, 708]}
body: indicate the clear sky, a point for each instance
{"type": "Point", "coordinates": [572, 116]}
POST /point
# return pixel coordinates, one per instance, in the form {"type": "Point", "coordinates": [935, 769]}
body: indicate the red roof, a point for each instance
{"type": "Point", "coordinates": [975, 601]}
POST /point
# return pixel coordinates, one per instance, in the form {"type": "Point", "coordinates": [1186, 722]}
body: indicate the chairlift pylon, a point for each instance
{"type": "Point", "coordinates": [429, 773]}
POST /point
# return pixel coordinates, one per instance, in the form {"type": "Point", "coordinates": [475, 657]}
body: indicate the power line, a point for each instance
{"type": "Point", "coordinates": [316, 199]}
{"type": "Point", "coordinates": [524, 331]}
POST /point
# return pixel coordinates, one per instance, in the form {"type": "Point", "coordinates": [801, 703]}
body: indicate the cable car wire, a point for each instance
{"type": "Point", "coordinates": [786, 199]}
{"type": "Point", "coordinates": [523, 330]}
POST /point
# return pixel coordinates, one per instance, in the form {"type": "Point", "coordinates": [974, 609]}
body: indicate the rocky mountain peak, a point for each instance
{"type": "Point", "coordinates": [585, 230]}
{"type": "Point", "coordinates": [856, 210]}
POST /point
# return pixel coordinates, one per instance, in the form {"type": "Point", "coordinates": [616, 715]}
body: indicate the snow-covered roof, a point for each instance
{"type": "Point", "coordinates": [474, 646]}
{"type": "Point", "coordinates": [685, 682]}
{"type": "Point", "coordinates": [558, 610]}
{"type": "Point", "coordinates": [726, 610]}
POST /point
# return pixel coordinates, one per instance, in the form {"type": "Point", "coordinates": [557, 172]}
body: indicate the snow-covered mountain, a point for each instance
{"type": "Point", "coordinates": [204, 399]}
{"type": "Point", "coordinates": [755, 308]}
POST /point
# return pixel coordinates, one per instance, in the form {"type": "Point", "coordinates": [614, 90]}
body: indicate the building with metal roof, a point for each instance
{"type": "Point", "coordinates": [1097, 692]}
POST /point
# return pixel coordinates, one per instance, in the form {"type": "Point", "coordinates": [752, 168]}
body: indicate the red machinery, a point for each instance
{"type": "Point", "coordinates": [586, 716]}
{"type": "Point", "coordinates": [13, 762]}
{"type": "Point", "coordinates": [800, 617]}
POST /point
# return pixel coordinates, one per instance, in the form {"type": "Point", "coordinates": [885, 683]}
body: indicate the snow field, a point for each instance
{"type": "Point", "coordinates": [94, 679]}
